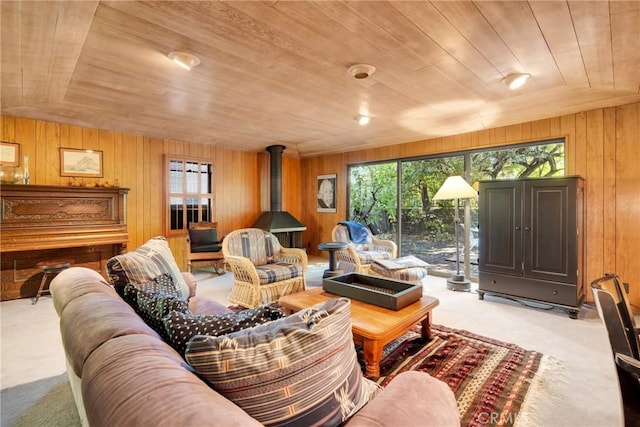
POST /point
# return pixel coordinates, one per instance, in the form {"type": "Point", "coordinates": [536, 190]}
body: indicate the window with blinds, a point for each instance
{"type": "Point", "coordinates": [190, 193]}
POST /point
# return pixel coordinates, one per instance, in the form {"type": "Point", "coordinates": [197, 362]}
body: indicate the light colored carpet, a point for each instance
{"type": "Point", "coordinates": [35, 391]}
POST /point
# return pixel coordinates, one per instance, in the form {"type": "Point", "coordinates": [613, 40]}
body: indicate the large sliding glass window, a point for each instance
{"type": "Point", "coordinates": [373, 197]}
{"type": "Point", "coordinates": [190, 193]}
{"type": "Point", "coordinates": [427, 225]}
{"type": "Point", "coordinates": [395, 199]}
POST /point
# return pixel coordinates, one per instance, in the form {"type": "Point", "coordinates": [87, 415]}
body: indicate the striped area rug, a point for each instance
{"type": "Point", "coordinates": [490, 379]}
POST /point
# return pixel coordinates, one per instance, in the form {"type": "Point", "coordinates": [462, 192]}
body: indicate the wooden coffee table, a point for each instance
{"type": "Point", "coordinates": [373, 327]}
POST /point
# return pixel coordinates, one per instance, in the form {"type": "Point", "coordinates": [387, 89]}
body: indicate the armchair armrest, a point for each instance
{"type": "Point", "coordinates": [348, 255]}
{"type": "Point", "coordinates": [294, 256]}
{"type": "Point", "coordinates": [628, 364]}
{"type": "Point", "coordinates": [243, 269]}
{"type": "Point", "coordinates": [386, 244]}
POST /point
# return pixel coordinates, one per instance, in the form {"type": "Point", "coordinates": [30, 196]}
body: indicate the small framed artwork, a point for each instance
{"type": "Point", "coordinates": [9, 154]}
{"type": "Point", "coordinates": [326, 194]}
{"type": "Point", "coordinates": [82, 163]}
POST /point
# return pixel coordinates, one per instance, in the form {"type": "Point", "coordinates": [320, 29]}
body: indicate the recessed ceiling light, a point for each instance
{"type": "Point", "coordinates": [184, 59]}
{"type": "Point", "coordinates": [516, 80]}
{"type": "Point", "coordinates": [363, 120]}
{"type": "Point", "coordinates": [361, 71]}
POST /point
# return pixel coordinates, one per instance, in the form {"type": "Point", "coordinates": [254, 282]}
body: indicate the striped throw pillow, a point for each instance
{"type": "Point", "coordinates": [298, 370]}
{"type": "Point", "coordinates": [144, 264]}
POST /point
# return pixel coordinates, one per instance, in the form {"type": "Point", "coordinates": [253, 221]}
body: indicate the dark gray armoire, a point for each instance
{"type": "Point", "coordinates": [531, 240]}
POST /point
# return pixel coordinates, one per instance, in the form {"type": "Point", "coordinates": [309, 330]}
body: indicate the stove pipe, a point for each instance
{"type": "Point", "coordinates": [275, 155]}
{"type": "Point", "coordinates": [277, 221]}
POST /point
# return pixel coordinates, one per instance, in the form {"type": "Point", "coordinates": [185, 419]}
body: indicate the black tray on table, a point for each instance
{"type": "Point", "coordinates": [387, 293]}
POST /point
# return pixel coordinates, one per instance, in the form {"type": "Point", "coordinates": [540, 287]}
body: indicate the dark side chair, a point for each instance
{"type": "Point", "coordinates": [615, 311]}
{"type": "Point", "coordinates": [203, 245]}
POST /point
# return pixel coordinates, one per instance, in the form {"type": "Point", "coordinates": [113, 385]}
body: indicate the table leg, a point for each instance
{"type": "Point", "coordinates": [426, 327]}
{"type": "Point", "coordinates": [372, 354]}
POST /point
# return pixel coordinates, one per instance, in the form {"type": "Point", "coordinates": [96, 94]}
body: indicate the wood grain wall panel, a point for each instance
{"type": "Point", "coordinates": [51, 160]}
{"type": "Point", "coordinates": [137, 163]}
{"type": "Point", "coordinates": [603, 146]}
{"type": "Point", "coordinates": [568, 130]}
{"type": "Point", "coordinates": [594, 238]}
{"type": "Point", "coordinates": [609, 190]}
{"type": "Point", "coordinates": [26, 131]}
{"type": "Point", "coordinates": [40, 158]}
{"type": "Point", "coordinates": [627, 197]}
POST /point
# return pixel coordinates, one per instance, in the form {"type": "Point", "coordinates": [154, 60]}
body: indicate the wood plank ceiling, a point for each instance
{"type": "Point", "coordinates": [276, 71]}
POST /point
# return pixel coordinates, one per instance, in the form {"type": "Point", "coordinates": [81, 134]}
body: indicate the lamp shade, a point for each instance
{"type": "Point", "coordinates": [455, 187]}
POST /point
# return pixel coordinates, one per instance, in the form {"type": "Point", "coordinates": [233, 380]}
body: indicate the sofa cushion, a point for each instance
{"type": "Point", "coordinates": [427, 396]}
{"type": "Point", "coordinates": [181, 327]}
{"type": "Point", "coordinates": [270, 273]}
{"type": "Point", "coordinates": [260, 246]}
{"type": "Point", "coordinates": [152, 307]}
{"type": "Point", "coordinates": [91, 319]}
{"type": "Point", "coordinates": [205, 305]}
{"type": "Point", "coordinates": [144, 264]}
{"type": "Point", "coordinates": [138, 380]}
{"type": "Point", "coordinates": [297, 370]}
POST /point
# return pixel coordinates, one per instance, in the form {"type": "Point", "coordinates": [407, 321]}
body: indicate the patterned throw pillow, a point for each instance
{"type": "Point", "coordinates": [162, 284]}
{"type": "Point", "coordinates": [152, 307]}
{"type": "Point", "coordinates": [181, 327]}
{"type": "Point", "coordinates": [298, 370]}
{"type": "Point", "coordinates": [144, 264]}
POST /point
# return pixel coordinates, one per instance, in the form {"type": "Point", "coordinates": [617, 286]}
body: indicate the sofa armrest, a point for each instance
{"type": "Point", "coordinates": [191, 282]}
{"type": "Point", "coordinates": [412, 398]}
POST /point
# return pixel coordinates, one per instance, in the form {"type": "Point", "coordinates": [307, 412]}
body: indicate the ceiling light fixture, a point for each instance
{"type": "Point", "coordinates": [363, 120]}
{"type": "Point", "coordinates": [184, 59]}
{"type": "Point", "coordinates": [516, 80]}
{"type": "Point", "coordinates": [361, 71]}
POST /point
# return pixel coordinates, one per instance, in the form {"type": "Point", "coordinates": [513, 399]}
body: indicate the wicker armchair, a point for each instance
{"type": "Point", "coordinates": [359, 256]}
{"type": "Point", "coordinates": [263, 270]}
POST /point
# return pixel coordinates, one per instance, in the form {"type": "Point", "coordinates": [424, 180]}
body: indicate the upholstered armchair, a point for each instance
{"type": "Point", "coordinates": [263, 270]}
{"type": "Point", "coordinates": [364, 248]}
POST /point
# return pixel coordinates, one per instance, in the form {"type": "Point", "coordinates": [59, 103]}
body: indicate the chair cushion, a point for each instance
{"type": "Point", "coordinates": [270, 273]}
{"type": "Point", "coordinates": [144, 264]}
{"type": "Point", "coordinates": [181, 326]}
{"type": "Point", "coordinates": [298, 370]}
{"type": "Point", "coordinates": [260, 246]}
{"type": "Point", "coordinates": [204, 240]}
{"type": "Point", "coordinates": [367, 257]}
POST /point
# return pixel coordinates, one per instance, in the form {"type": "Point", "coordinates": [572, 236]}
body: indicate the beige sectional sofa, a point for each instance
{"type": "Point", "coordinates": [123, 374]}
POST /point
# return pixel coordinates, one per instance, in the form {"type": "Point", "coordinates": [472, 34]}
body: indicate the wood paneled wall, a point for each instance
{"type": "Point", "coordinates": [136, 162]}
{"type": "Point", "coordinates": [603, 146]}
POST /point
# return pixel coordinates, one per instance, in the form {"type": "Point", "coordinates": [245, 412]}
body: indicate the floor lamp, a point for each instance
{"type": "Point", "coordinates": [455, 187]}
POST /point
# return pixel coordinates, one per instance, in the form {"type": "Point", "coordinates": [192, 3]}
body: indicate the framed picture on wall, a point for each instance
{"type": "Point", "coordinates": [9, 154]}
{"type": "Point", "coordinates": [326, 193]}
{"type": "Point", "coordinates": [82, 163]}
